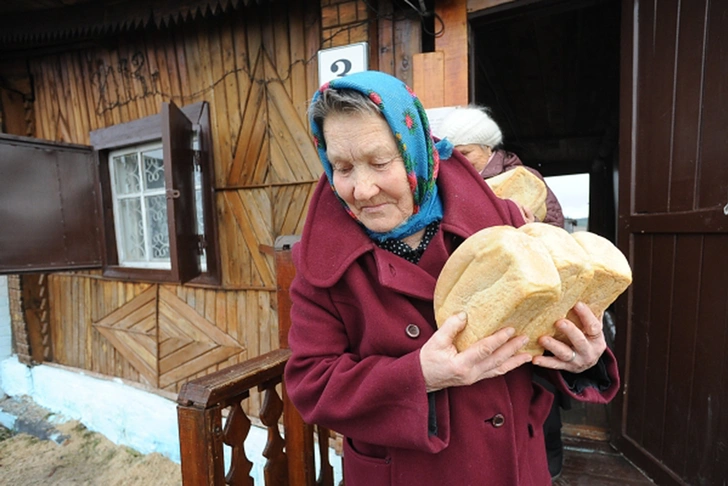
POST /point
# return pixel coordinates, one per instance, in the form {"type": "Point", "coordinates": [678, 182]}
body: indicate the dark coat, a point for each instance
{"type": "Point", "coordinates": [502, 161]}
{"type": "Point", "coordinates": [360, 315]}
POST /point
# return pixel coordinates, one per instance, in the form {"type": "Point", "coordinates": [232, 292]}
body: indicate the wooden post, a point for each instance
{"type": "Point", "coordinates": [299, 434]}
{"type": "Point", "coordinates": [453, 43]}
{"type": "Point", "coordinates": [200, 438]}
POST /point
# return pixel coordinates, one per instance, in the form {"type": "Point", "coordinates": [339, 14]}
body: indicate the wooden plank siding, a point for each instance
{"type": "Point", "coordinates": [256, 68]}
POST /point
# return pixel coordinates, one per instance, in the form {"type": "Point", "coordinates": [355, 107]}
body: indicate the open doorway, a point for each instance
{"type": "Point", "coordinates": [549, 72]}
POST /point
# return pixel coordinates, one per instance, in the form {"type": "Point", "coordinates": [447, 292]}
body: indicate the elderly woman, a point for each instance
{"type": "Point", "coordinates": [367, 358]}
{"type": "Point", "coordinates": [478, 137]}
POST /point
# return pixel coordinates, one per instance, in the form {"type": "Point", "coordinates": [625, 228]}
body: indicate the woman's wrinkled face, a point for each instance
{"type": "Point", "coordinates": [369, 173]}
{"type": "Point", "coordinates": [478, 155]}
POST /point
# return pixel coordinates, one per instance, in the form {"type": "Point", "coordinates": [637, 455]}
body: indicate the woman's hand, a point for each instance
{"type": "Point", "coordinates": [527, 214]}
{"type": "Point", "coordinates": [587, 344]}
{"type": "Point", "coordinates": [495, 355]}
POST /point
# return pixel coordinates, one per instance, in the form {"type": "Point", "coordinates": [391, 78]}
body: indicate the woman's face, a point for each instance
{"type": "Point", "coordinates": [369, 172]}
{"type": "Point", "coordinates": [478, 155]}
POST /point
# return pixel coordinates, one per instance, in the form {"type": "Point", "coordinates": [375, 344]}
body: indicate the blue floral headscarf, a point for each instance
{"type": "Point", "coordinates": [408, 121]}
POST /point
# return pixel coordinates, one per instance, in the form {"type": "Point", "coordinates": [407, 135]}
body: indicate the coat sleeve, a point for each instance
{"type": "Point", "coordinates": [380, 400]}
{"type": "Point", "coordinates": [599, 384]}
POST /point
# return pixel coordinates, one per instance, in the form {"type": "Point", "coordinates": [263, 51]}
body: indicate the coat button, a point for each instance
{"type": "Point", "coordinates": [498, 420]}
{"type": "Point", "coordinates": [412, 330]}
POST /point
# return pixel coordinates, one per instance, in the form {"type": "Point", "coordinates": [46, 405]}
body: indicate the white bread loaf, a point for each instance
{"type": "Point", "coordinates": [522, 186]}
{"type": "Point", "coordinates": [528, 279]}
{"type": "Point", "coordinates": [499, 276]}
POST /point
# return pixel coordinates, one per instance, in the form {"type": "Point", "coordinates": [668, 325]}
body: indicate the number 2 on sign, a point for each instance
{"type": "Point", "coordinates": [346, 65]}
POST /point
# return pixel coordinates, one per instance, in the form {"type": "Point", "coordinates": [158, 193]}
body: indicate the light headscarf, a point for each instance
{"type": "Point", "coordinates": [467, 125]}
{"type": "Point", "coordinates": [408, 121]}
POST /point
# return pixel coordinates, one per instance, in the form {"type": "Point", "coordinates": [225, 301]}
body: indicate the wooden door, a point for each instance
{"type": "Point", "coordinates": [673, 224]}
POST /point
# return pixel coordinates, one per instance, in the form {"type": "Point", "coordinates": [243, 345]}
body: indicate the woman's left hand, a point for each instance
{"type": "Point", "coordinates": [527, 214]}
{"type": "Point", "coordinates": [587, 344]}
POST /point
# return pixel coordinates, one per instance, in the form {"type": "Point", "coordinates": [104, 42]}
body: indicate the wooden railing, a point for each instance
{"type": "Point", "coordinates": [202, 403]}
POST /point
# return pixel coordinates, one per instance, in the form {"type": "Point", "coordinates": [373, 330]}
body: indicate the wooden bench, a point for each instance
{"type": "Point", "coordinates": [202, 403]}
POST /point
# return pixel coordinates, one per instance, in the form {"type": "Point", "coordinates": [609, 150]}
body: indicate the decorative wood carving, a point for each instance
{"type": "Point", "coordinates": [276, 467]}
{"type": "Point", "coordinates": [17, 319]}
{"type": "Point", "coordinates": [188, 342]}
{"type": "Point", "coordinates": [131, 329]}
{"type": "Point", "coordinates": [236, 431]}
{"type": "Point", "coordinates": [164, 338]}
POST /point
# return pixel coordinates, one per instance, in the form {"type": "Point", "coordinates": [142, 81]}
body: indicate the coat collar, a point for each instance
{"type": "Point", "coordinates": [332, 240]}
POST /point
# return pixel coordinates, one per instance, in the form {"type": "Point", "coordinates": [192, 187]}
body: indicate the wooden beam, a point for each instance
{"type": "Point", "coordinates": [454, 44]}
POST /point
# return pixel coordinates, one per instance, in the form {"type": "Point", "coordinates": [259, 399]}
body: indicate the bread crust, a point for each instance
{"type": "Point", "coordinates": [612, 274]}
{"type": "Point", "coordinates": [527, 278]}
{"type": "Point", "coordinates": [489, 278]}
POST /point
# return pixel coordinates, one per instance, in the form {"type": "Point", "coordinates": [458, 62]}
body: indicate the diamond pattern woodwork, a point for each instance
{"type": "Point", "coordinates": [165, 339]}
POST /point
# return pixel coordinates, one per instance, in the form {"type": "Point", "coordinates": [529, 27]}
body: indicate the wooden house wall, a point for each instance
{"type": "Point", "coordinates": [256, 67]}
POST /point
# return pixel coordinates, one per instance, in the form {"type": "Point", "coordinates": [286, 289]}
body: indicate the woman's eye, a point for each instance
{"type": "Point", "coordinates": [342, 169]}
{"type": "Point", "coordinates": [383, 164]}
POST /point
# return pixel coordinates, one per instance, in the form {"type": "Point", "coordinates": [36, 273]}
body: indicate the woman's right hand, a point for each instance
{"type": "Point", "coordinates": [495, 355]}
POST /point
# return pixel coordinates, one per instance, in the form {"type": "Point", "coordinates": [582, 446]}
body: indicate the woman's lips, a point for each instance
{"type": "Point", "coordinates": [372, 208]}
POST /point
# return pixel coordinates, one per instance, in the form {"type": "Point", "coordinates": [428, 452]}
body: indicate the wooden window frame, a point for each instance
{"type": "Point", "coordinates": [174, 127]}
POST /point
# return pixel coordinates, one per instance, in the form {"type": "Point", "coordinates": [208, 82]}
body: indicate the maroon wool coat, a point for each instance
{"type": "Point", "coordinates": [355, 358]}
{"type": "Point", "coordinates": [503, 161]}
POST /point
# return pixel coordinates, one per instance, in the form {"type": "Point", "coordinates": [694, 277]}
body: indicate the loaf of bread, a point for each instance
{"type": "Point", "coordinates": [499, 276]}
{"type": "Point", "coordinates": [522, 186]}
{"type": "Point", "coordinates": [527, 278]}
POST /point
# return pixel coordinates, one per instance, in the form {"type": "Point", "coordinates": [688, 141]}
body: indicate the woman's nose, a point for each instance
{"type": "Point", "coordinates": [365, 187]}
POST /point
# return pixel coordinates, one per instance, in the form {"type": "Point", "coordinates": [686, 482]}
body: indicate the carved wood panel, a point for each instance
{"type": "Point", "coordinates": [165, 339]}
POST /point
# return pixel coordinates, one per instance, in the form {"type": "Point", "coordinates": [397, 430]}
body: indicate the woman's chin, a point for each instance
{"type": "Point", "coordinates": [378, 226]}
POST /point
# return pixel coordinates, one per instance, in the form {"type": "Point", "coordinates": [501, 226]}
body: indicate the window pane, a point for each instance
{"type": "Point", "coordinates": [199, 213]}
{"type": "Point", "coordinates": [158, 230]}
{"type": "Point", "coordinates": [126, 174]}
{"type": "Point", "coordinates": [132, 230]}
{"type": "Point", "coordinates": [153, 169]}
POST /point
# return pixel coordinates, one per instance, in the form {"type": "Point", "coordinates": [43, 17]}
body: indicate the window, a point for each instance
{"type": "Point", "coordinates": [140, 209]}
{"type": "Point", "coordinates": [138, 203]}
{"type": "Point", "coordinates": [157, 197]}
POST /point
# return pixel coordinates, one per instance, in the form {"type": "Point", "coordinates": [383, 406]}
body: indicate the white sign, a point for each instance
{"type": "Point", "coordinates": [435, 117]}
{"type": "Point", "coordinates": [340, 61]}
